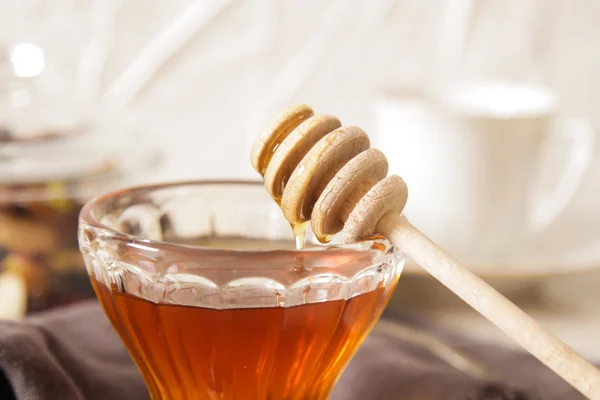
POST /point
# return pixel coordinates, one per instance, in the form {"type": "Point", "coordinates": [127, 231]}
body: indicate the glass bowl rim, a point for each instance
{"type": "Point", "coordinates": [87, 218]}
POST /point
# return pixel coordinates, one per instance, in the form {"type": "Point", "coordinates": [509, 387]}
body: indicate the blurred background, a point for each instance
{"type": "Point", "coordinates": [488, 109]}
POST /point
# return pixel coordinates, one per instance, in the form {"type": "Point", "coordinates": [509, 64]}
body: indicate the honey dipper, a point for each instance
{"type": "Point", "coordinates": [318, 170]}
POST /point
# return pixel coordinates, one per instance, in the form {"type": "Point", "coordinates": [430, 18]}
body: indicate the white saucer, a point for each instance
{"type": "Point", "coordinates": [573, 264]}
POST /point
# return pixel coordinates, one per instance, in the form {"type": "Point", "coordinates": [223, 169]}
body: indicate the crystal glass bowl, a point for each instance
{"type": "Point", "coordinates": [202, 282]}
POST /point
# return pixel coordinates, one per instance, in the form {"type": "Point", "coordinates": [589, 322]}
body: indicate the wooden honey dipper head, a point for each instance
{"type": "Point", "coordinates": [320, 171]}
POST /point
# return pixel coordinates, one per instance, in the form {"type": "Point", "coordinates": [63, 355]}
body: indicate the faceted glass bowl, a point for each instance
{"type": "Point", "coordinates": [202, 282]}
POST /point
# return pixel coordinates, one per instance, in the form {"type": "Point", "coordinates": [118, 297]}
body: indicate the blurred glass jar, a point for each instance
{"type": "Point", "coordinates": [59, 144]}
{"type": "Point", "coordinates": [45, 178]}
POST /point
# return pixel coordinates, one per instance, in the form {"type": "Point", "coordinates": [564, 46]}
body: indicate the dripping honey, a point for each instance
{"type": "Point", "coordinates": [298, 229]}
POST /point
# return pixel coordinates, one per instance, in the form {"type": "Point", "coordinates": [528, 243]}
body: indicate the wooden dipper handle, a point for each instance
{"type": "Point", "coordinates": [318, 170]}
{"type": "Point", "coordinates": [513, 321]}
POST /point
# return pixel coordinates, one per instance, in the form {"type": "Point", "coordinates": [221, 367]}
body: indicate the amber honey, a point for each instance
{"type": "Point", "coordinates": [272, 353]}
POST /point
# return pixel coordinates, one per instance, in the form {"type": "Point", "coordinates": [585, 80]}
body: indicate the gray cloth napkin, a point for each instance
{"type": "Point", "coordinates": [73, 354]}
{"type": "Point", "coordinates": [68, 354]}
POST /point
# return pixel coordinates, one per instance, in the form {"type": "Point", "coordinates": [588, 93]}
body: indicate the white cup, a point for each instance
{"type": "Point", "coordinates": [474, 162]}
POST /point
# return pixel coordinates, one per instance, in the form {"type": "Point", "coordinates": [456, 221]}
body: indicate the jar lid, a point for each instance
{"type": "Point", "coordinates": [85, 158]}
